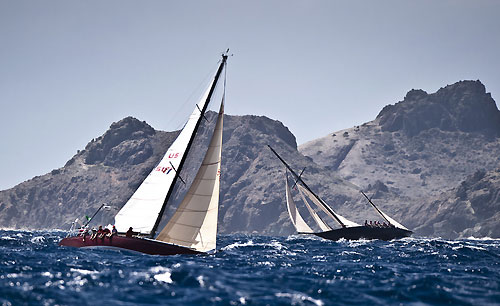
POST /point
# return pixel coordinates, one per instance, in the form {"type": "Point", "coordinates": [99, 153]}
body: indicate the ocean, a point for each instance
{"type": "Point", "coordinates": [253, 270]}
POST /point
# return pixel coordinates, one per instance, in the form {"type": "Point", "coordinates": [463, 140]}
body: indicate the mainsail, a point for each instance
{"type": "Point", "coordinates": [194, 223]}
{"type": "Point", "coordinates": [143, 210]}
{"type": "Point", "coordinates": [295, 216]}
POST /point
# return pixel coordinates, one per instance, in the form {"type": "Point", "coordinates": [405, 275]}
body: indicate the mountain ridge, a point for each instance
{"type": "Point", "coordinates": [405, 167]}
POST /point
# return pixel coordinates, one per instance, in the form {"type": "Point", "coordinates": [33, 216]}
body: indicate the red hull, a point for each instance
{"type": "Point", "coordinates": [142, 245]}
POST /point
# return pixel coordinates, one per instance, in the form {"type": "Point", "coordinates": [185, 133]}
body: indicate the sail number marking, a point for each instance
{"type": "Point", "coordinates": [165, 170]}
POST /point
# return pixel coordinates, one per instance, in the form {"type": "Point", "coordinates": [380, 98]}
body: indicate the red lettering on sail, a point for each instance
{"type": "Point", "coordinates": [165, 170]}
{"type": "Point", "coordinates": [173, 155]}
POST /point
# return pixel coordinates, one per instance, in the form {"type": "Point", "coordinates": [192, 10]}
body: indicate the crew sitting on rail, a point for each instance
{"type": "Point", "coordinates": [130, 232]}
{"type": "Point", "coordinates": [99, 233]}
{"type": "Point", "coordinates": [94, 234]}
{"type": "Point", "coordinates": [105, 233]}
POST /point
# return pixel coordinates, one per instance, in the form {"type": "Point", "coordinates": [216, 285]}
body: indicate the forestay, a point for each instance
{"type": "Point", "coordinates": [142, 209]}
{"type": "Point", "coordinates": [194, 223]}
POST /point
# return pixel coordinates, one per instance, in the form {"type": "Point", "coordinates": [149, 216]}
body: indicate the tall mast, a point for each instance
{"type": "Point", "coordinates": [309, 189]}
{"type": "Point", "coordinates": [181, 164]}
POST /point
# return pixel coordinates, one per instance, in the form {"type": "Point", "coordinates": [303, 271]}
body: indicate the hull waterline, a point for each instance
{"type": "Point", "coordinates": [365, 232]}
{"type": "Point", "coordinates": [142, 245]}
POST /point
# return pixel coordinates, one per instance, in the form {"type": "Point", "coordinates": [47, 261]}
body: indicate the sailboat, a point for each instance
{"type": "Point", "coordinates": [192, 229]}
{"type": "Point", "coordinates": [348, 229]}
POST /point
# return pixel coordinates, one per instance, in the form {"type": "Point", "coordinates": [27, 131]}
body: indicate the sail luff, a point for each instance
{"type": "Point", "coordinates": [297, 220]}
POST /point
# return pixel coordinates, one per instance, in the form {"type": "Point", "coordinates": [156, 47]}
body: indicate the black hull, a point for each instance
{"type": "Point", "coordinates": [142, 245]}
{"type": "Point", "coordinates": [365, 232]}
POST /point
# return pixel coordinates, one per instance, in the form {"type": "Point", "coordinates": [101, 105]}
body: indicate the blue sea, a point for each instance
{"type": "Point", "coordinates": [253, 270]}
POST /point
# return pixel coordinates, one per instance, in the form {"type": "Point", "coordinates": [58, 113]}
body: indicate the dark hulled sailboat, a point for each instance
{"type": "Point", "coordinates": [348, 230]}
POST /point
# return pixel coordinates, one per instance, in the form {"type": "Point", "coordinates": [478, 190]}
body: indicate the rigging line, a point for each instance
{"type": "Point", "coordinates": [184, 104]}
{"type": "Point", "coordinates": [300, 175]}
{"type": "Point", "coordinates": [376, 208]}
{"type": "Point", "coordinates": [176, 171]}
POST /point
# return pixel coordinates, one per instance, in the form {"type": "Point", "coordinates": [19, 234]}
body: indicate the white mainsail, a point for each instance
{"type": "Point", "coordinates": [295, 216]}
{"type": "Point", "coordinates": [194, 223]}
{"type": "Point", "coordinates": [322, 225]}
{"type": "Point", "coordinates": [142, 209]}
{"type": "Point", "coordinates": [332, 214]}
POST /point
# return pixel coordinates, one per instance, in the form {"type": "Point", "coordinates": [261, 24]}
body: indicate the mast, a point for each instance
{"type": "Point", "coordinates": [308, 189]}
{"type": "Point", "coordinates": [191, 139]}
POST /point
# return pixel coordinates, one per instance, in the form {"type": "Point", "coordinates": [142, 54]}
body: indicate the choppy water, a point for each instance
{"type": "Point", "coordinates": [252, 270]}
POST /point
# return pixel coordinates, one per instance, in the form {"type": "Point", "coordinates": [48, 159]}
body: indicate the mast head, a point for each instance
{"type": "Point", "coordinates": [225, 55]}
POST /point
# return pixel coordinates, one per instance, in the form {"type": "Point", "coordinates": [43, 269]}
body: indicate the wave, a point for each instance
{"type": "Point", "coordinates": [253, 270]}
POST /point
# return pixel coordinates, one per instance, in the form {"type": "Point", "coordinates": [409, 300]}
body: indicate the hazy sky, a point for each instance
{"type": "Point", "coordinates": [68, 69]}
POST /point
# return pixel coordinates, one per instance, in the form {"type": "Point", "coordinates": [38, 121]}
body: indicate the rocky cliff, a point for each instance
{"type": "Point", "coordinates": [419, 160]}
{"type": "Point", "coordinates": [418, 148]}
{"type": "Point", "coordinates": [470, 209]}
{"type": "Point", "coordinates": [113, 165]}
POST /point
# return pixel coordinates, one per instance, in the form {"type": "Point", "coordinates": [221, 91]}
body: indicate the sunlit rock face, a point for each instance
{"type": "Point", "coordinates": [464, 106]}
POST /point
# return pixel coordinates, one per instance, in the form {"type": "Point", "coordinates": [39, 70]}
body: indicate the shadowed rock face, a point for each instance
{"type": "Point", "coordinates": [464, 106]}
{"type": "Point", "coordinates": [407, 165]}
{"type": "Point", "coordinates": [470, 209]}
{"type": "Point", "coordinates": [124, 143]}
{"type": "Point", "coordinates": [113, 165]}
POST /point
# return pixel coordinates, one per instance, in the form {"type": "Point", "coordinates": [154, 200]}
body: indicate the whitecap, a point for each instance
{"type": "Point", "coordinates": [298, 298]}
{"type": "Point", "coordinates": [472, 247]}
{"type": "Point", "coordinates": [302, 237]}
{"type": "Point", "coordinates": [162, 274]}
{"type": "Point", "coordinates": [37, 239]}
{"type": "Point", "coordinates": [165, 277]}
{"type": "Point", "coordinates": [83, 271]}
{"type": "Point", "coordinates": [8, 238]}
{"type": "Point", "coordinates": [238, 244]}
{"type": "Point", "coordinates": [482, 238]}
{"type": "Point", "coordinates": [200, 280]}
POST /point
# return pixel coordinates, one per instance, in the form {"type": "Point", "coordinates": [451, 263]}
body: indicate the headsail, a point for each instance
{"type": "Point", "coordinates": [295, 216]}
{"type": "Point", "coordinates": [322, 225]}
{"type": "Point", "coordinates": [330, 212]}
{"type": "Point", "coordinates": [143, 210]}
{"type": "Point", "coordinates": [194, 223]}
{"type": "Point", "coordinates": [384, 215]}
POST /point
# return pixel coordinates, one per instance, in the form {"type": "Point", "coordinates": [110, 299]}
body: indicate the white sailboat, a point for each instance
{"type": "Point", "coordinates": [193, 227]}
